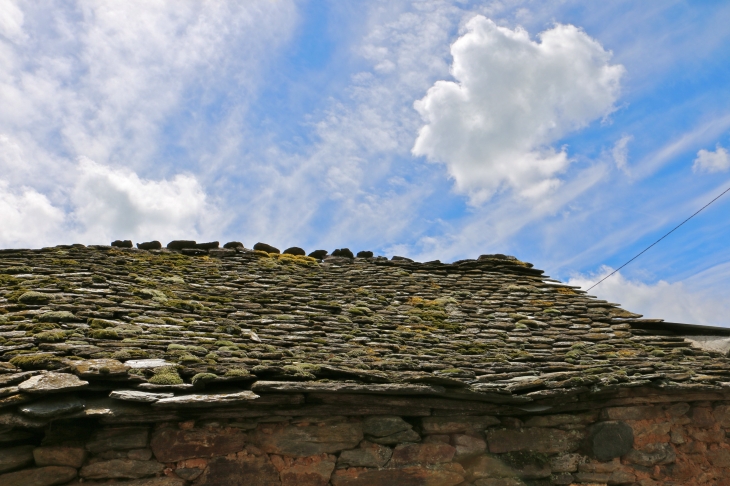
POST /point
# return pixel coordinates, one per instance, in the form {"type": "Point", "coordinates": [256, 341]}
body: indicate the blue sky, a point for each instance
{"type": "Point", "coordinates": [569, 134]}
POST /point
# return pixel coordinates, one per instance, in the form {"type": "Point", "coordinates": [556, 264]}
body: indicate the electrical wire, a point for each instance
{"type": "Point", "coordinates": [660, 239]}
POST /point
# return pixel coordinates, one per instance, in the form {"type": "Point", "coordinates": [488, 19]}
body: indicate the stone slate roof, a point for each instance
{"type": "Point", "coordinates": [179, 327]}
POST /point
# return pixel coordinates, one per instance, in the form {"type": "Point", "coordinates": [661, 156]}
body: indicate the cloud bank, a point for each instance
{"type": "Point", "coordinates": [109, 202]}
{"type": "Point", "coordinates": [513, 98]}
{"type": "Point", "coordinates": [105, 204]}
{"type": "Point", "coordinates": [685, 302]}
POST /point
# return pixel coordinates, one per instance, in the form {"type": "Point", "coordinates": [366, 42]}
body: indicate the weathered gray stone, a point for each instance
{"type": "Point", "coordinates": [528, 465]}
{"type": "Point", "coordinates": [318, 254]}
{"type": "Point", "coordinates": [222, 253]}
{"type": "Point", "coordinates": [616, 477]}
{"type": "Point", "coordinates": [565, 462]}
{"type": "Point", "coordinates": [59, 456]}
{"type": "Point", "coordinates": [562, 419]}
{"type": "Point", "coordinates": [99, 368]}
{"type": "Point", "coordinates": [380, 426]}
{"type": "Point", "coordinates": [172, 445]}
{"type": "Point", "coordinates": [406, 476]}
{"type": "Point", "coordinates": [15, 457]}
{"type": "Point", "coordinates": [468, 446]}
{"type": "Point", "coordinates": [15, 378]}
{"type": "Point", "coordinates": [265, 247]}
{"type": "Point", "coordinates": [53, 407]}
{"type": "Point", "coordinates": [456, 425]}
{"type": "Point", "coordinates": [367, 455]}
{"type": "Point", "coordinates": [16, 435]}
{"type": "Point", "coordinates": [422, 454]}
{"type": "Point", "coordinates": [243, 470]}
{"type": "Point", "coordinates": [505, 482]}
{"type": "Point", "coordinates": [561, 479]}
{"type": "Point", "coordinates": [52, 383]}
{"type": "Point", "coordinates": [153, 387]}
{"type": "Point", "coordinates": [140, 454]}
{"type": "Point", "coordinates": [15, 400]}
{"type": "Point", "coordinates": [139, 396]}
{"type": "Point", "coordinates": [409, 435]}
{"type": "Point", "coordinates": [486, 466]}
{"type": "Point", "coordinates": [161, 481]}
{"type": "Point", "coordinates": [640, 412]}
{"type": "Point", "coordinates": [678, 409]}
{"type": "Point", "coordinates": [188, 474]}
{"type": "Point", "coordinates": [548, 441]}
{"type": "Point", "coordinates": [9, 390]}
{"type": "Point", "coordinates": [721, 413]}
{"type": "Point", "coordinates": [307, 440]}
{"type": "Point", "coordinates": [339, 387]}
{"type": "Point", "coordinates": [702, 417]}
{"type": "Point", "coordinates": [305, 471]}
{"type": "Point", "coordinates": [719, 457]}
{"type": "Point", "coordinates": [120, 469]}
{"type": "Point", "coordinates": [42, 476]}
{"type": "Point", "coordinates": [606, 440]}
{"type": "Point", "coordinates": [35, 298]}
{"type": "Point", "coordinates": [17, 420]}
{"type": "Point", "coordinates": [207, 400]}
{"type": "Point", "coordinates": [150, 245]}
{"type": "Point", "coordinates": [651, 455]}
{"type": "Point", "coordinates": [181, 244]}
{"type": "Point", "coordinates": [118, 438]}
{"type": "Point", "coordinates": [147, 364]}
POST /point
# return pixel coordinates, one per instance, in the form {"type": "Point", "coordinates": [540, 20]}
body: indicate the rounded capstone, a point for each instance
{"type": "Point", "coordinates": [265, 247]}
{"type": "Point", "coordinates": [607, 440]}
{"type": "Point", "coordinates": [343, 252]}
{"type": "Point", "coordinates": [150, 245]}
{"type": "Point", "coordinates": [294, 250]}
{"type": "Point", "coordinates": [181, 244]}
{"type": "Point", "coordinates": [122, 243]}
{"type": "Point", "coordinates": [319, 254]}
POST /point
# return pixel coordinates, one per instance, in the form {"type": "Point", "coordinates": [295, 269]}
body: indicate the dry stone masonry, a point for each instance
{"type": "Point", "coordinates": [198, 365]}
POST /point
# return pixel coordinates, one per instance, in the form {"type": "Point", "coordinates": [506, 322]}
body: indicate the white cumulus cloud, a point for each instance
{"type": "Point", "coordinates": [684, 302]}
{"type": "Point", "coordinates": [27, 218]}
{"type": "Point", "coordinates": [513, 98]}
{"type": "Point", "coordinates": [708, 161]}
{"type": "Point", "coordinates": [113, 204]}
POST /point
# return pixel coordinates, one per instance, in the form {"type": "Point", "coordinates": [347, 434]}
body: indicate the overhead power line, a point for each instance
{"type": "Point", "coordinates": [660, 239]}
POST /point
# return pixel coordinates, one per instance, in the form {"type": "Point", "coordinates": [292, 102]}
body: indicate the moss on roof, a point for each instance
{"type": "Point", "coordinates": [493, 325]}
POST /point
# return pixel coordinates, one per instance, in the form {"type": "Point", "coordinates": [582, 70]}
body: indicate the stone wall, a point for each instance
{"type": "Point", "coordinates": [675, 443]}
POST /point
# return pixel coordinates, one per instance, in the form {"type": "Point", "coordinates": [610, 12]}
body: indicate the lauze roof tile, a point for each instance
{"type": "Point", "coordinates": [190, 327]}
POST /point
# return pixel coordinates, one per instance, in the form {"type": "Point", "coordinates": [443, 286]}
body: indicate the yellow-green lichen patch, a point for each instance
{"type": "Point", "coordinates": [237, 372]}
{"type": "Point", "coordinates": [57, 316]}
{"type": "Point", "coordinates": [51, 336]}
{"type": "Point", "coordinates": [202, 378]}
{"type": "Point", "coordinates": [154, 294]}
{"type": "Point", "coordinates": [166, 375]}
{"type": "Point", "coordinates": [186, 305]}
{"type": "Point", "coordinates": [107, 334]}
{"type": "Point", "coordinates": [34, 298]}
{"type": "Point", "coordinates": [41, 361]}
